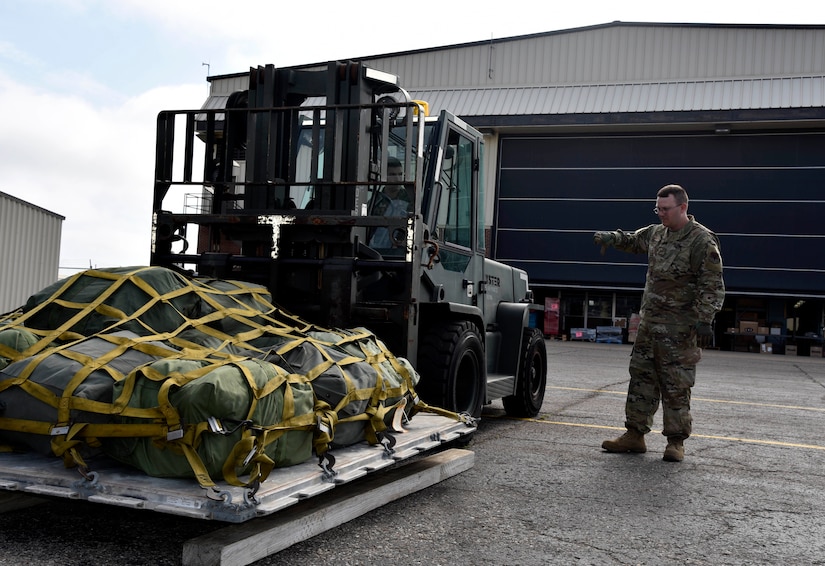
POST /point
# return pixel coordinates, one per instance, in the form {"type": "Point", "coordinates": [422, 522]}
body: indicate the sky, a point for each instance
{"type": "Point", "coordinates": [82, 81]}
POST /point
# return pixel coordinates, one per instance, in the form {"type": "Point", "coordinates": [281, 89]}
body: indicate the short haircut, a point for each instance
{"type": "Point", "coordinates": [679, 194]}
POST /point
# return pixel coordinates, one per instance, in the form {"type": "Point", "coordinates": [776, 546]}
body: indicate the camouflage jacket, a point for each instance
{"type": "Point", "coordinates": [684, 274]}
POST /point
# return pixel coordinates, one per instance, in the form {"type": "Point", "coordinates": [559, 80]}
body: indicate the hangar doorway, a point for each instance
{"type": "Point", "coordinates": [762, 192]}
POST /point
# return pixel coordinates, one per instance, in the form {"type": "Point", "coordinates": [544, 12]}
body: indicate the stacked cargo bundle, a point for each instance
{"type": "Point", "coordinates": [185, 377]}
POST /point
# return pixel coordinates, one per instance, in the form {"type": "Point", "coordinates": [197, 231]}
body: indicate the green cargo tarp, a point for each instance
{"type": "Point", "coordinates": [248, 391]}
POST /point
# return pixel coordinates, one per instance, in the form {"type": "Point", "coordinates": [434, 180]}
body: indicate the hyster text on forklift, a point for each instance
{"type": "Point", "coordinates": [335, 190]}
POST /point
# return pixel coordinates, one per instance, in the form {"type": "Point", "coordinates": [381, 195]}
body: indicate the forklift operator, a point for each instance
{"type": "Point", "coordinates": [391, 200]}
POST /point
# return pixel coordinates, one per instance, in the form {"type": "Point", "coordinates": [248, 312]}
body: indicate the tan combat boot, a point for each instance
{"type": "Point", "coordinates": [631, 441]}
{"type": "Point", "coordinates": [675, 451]}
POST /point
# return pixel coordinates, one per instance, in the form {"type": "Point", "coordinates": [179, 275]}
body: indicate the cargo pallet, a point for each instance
{"type": "Point", "coordinates": [258, 530]}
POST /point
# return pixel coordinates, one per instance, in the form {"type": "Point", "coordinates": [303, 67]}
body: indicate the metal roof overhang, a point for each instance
{"type": "Point", "coordinates": [751, 100]}
{"type": "Point", "coordinates": [719, 101]}
{"type": "Point", "coordinates": [738, 119]}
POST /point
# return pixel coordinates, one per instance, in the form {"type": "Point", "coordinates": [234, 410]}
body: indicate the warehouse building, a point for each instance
{"type": "Point", "coordinates": [30, 250]}
{"type": "Point", "coordinates": [583, 126]}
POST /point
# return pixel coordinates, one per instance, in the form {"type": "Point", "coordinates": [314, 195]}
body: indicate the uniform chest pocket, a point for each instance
{"type": "Point", "coordinates": [668, 257]}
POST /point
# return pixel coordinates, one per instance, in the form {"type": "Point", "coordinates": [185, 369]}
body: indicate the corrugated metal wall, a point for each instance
{"type": "Point", "coordinates": [617, 67]}
{"type": "Point", "coordinates": [29, 250]}
{"type": "Point", "coordinates": [616, 53]}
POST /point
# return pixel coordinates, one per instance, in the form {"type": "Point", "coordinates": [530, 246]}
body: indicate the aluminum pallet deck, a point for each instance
{"type": "Point", "coordinates": [113, 484]}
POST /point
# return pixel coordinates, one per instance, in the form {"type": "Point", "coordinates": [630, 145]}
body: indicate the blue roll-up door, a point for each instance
{"type": "Point", "coordinates": [762, 193]}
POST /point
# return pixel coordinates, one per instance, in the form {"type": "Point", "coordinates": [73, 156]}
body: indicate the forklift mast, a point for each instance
{"type": "Point", "coordinates": [291, 168]}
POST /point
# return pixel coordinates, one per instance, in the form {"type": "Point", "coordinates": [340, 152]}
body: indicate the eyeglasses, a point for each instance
{"type": "Point", "coordinates": [664, 209]}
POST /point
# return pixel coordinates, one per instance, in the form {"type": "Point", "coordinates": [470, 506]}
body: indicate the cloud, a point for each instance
{"type": "Point", "coordinates": [95, 166]}
{"type": "Point", "coordinates": [10, 52]}
{"type": "Point", "coordinates": [257, 33]}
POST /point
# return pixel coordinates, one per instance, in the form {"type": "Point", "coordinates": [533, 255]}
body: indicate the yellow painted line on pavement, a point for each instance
{"type": "Point", "coordinates": [765, 442]}
{"type": "Point", "coordinates": [706, 400]}
{"type": "Point", "coordinates": [709, 436]}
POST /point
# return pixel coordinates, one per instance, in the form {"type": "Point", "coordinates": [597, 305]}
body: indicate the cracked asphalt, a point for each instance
{"type": "Point", "coordinates": [751, 489]}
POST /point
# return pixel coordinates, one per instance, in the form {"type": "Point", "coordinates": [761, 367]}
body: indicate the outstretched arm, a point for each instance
{"type": "Point", "coordinates": [633, 242]}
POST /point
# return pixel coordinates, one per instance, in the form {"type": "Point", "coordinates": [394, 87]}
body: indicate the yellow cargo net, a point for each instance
{"type": "Point", "coordinates": [112, 335]}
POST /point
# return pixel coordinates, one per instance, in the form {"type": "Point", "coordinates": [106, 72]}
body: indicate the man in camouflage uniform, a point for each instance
{"type": "Point", "coordinates": [684, 290]}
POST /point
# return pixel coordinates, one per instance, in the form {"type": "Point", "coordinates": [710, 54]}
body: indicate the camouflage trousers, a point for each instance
{"type": "Point", "coordinates": [662, 369]}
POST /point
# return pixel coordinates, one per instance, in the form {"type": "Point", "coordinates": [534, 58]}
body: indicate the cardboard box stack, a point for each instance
{"type": "Point", "coordinates": [586, 334]}
{"type": "Point", "coordinates": [633, 327]}
{"type": "Point", "coordinates": [748, 326]}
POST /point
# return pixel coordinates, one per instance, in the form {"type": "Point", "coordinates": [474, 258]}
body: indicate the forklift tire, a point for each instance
{"type": "Point", "coordinates": [452, 367]}
{"type": "Point", "coordinates": [532, 378]}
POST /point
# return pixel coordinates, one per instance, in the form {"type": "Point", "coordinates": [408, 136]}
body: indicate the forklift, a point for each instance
{"type": "Point", "coordinates": [354, 208]}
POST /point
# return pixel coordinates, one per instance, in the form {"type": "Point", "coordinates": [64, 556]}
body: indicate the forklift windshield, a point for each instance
{"type": "Point", "coordinates": [396, 182]}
